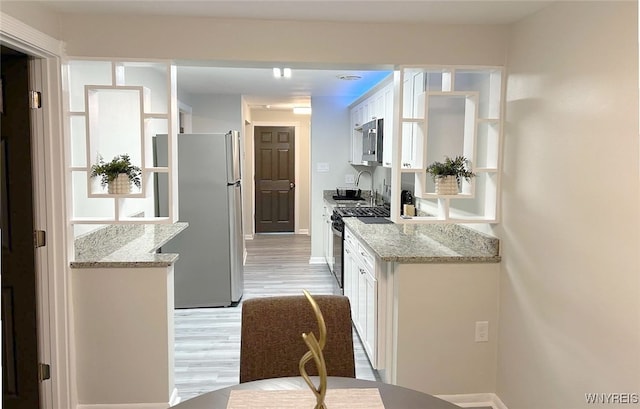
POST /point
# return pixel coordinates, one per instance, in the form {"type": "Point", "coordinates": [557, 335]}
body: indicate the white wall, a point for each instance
{"type": "Point", "coordinates": [308, 42]}
{"type": "Point", "coordinates": [216, 113]}
{"type": "Point", "coordinates": [570, 283]}
{"type": "Point", "coordinates": [330, 125]}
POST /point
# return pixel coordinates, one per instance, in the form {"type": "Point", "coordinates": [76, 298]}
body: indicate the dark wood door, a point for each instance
{"type": "Point", "coordinates": [275, 186]}
{"type": "Point", "coordinates": [19, 325]}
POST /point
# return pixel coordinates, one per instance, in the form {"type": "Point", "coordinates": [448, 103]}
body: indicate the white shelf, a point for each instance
{"type": "Point", "coordinates": [452, 111]}
{"type": "Point", "coordinates": [115, 107]}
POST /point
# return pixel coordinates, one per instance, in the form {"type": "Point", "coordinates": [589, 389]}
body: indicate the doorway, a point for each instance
{"type": "Point", "coordinates": [274, 179]}
{"type": "Point", "coordinates": [19, 302]}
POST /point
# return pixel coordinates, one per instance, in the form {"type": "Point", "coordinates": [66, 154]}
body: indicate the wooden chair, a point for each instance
{"type": "Point", "coordinates": [271, 339]}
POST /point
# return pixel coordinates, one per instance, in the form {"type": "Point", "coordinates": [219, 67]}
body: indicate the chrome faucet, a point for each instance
{"type": "Point", "coordinates": [372, 196]}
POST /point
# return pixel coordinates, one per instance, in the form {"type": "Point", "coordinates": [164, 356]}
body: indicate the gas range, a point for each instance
{"type": "Point", "coordinates": [357, 211]}
{"type": "Point", "coordinates": [363, 211]}
{"type": "Point", "coordinates": [377, 213]}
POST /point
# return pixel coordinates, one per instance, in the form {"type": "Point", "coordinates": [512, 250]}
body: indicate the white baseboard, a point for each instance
{"type": "Point", "coordinates": [248, 236]}
{"type": "Point", "coordinates": [303, 231]}
{"type": "Point", "coordinates": [175, 398]}
{"type": "Point", "coordinates": [317, 260]}
{"type": "Point", "coordinates": [474, 400]}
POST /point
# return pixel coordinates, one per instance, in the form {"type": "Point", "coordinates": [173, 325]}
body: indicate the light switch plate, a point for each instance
{"type": "Point", "coordinates": [322, 167]}
{"type": "Point", "coordinates": [349, 178]}
{"type": "Point", "coordinates": [482, 331]}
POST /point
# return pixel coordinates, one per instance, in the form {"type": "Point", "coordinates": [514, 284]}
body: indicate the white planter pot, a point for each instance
{"type": "Point", "coordinates": [447, 185]}
{"type": "Point", "coordinates": [120, 185]}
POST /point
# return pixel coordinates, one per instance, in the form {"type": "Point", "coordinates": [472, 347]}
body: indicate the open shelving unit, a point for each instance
{"type": "Point", "coordinates": [450, 111]}
{"type": "Point", "coordinates": [114, 108]}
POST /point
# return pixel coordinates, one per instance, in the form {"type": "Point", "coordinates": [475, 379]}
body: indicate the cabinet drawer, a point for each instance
{"type": "Point", "coordinates": [349, 238]}
{"type": "Point", "coordinates": [367, 257]}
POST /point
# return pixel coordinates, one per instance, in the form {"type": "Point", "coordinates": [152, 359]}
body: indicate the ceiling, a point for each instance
{"type": "Point", "coordinates": [258, 85]}
{"type": "Point", "coordinates": [262, 90]}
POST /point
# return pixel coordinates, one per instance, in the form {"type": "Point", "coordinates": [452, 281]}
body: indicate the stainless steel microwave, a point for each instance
{"type": "Point", "coordinates": [372, 142]}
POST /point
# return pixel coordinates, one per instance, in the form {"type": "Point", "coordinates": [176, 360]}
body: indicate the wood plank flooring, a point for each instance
{"type": "Point", "coordinates": [207, 340]}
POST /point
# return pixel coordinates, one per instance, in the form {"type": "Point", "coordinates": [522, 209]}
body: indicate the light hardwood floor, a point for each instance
{"type": "Point", "coordinates": [207, 340]}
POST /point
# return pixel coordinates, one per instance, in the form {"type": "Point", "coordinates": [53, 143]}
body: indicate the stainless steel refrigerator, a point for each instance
{"type": "Point", "coordinates": [209, 271]}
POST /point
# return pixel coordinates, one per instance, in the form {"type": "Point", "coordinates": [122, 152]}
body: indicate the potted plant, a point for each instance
{"type": "Point", "coordinates": [449, 174]}
{"type": "Point", "coordinates": [117, 174]}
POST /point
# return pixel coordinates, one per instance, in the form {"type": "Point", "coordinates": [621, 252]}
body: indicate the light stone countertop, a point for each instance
{"type": "Point", "coordinates": [426, 243]}
{"type": "Point", "coordinates": [126, 246]}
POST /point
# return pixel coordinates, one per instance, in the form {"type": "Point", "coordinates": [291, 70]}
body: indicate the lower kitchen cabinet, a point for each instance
{"type": "Point", "coordinates": [417, 313]}
{"type": "Point", "coordinates": [361, 287]}
{"type": "Point", "coordinates": [327, 236]}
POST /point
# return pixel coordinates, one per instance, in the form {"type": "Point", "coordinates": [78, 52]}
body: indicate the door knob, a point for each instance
{"type": "Point", "coordinates": [291, 185]}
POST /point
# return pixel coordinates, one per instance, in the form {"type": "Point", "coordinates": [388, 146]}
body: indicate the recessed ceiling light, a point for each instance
{"type": "Point", "coordinates": [282, 73]}
{"type": "Point", "coordinates": [302, 110]}
{"type": "Point", "coordinates": [349, 77]}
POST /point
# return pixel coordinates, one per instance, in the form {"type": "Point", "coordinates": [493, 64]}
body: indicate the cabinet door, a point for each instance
{"type": "Point", "coordinates": [368, 110]}
{"type": "Point", "coordinates": [355, 154]}
{"type": "Point", "coordinates": [378, 104]}
{"type": "Point", "coordinates": [371, 317]}
{"type": "Point", "coordinates": [361, 322]}
{"type": "Point", "coordinates": [387, 141]}
{"type": "Point", "coordinates": [367, 311]}
{"type": "Point", "coordinates": [350, 289]}
{"type": "Point", "coordinates": [328, 241]}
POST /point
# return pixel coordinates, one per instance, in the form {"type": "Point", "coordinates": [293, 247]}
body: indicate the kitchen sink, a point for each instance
{"type": "Point", "coordinates": [347, 199]}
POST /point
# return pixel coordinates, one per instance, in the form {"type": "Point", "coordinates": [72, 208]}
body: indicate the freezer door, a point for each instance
{"type": "Point", "coordinates": [233, 156]}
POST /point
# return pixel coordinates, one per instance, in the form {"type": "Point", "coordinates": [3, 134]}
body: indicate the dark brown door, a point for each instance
{"type": "Point", "coordinates": [274, 153]}
{"type": "Point", "coordinates": [19, 325]}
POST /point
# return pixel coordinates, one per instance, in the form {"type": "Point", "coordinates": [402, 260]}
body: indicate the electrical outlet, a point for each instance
{"type": "Point", "coordinates": [349, 178]}
{"type": "Point", "coordinates": [482, 331]}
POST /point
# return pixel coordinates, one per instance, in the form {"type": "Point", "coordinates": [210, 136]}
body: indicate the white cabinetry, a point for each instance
{"type": "Point", "coordinates": [327, 236]}
{"type": "Point", "coordinates": [357, 119]}
{"type": "Point", "coordinates": [375, 105]}
{"type": "Point", "coordinates": [361, 287]}
{"type": "Point", "coordinates": [387, 142]}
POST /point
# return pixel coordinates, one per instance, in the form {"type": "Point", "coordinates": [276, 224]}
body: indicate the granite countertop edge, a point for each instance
{"type": "Point", "coordinates": [136, 249]}
{"type": "Point", "coordinates": [424, 243]}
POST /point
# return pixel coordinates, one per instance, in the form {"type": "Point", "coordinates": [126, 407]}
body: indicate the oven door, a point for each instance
{"type": "Point", "coordinates": [338, 270]}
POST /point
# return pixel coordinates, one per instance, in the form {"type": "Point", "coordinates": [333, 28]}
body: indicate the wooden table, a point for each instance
{"type": "Point", "coordinates": [393, 397]}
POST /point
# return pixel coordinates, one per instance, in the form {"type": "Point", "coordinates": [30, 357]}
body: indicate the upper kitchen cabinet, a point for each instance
{"type": "Point", "coordinates": [452, 111]}
{"type": "Point", "coordinates": [375, 104]}
{"type": "Point", "coordinates": [116, 108]}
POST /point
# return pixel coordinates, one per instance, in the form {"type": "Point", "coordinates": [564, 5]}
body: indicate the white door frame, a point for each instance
{"type": "Point", "coordinates": [48, 154]}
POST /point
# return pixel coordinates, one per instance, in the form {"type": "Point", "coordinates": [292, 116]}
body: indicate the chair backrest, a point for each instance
{"type": "Point", "coordinates": [271, 342]}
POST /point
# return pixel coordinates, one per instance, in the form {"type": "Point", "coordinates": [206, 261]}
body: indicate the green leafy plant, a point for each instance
{"type": "Point", "coordinates": [109, 171]}
{"type": "Point", "coordinates": [457, 167]}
